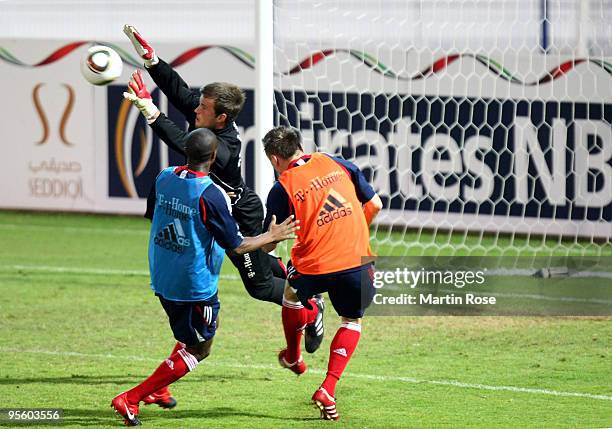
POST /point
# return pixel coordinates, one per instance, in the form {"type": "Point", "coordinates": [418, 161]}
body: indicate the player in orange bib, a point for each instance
{"type": "Point", "coordinates": [335, 206]}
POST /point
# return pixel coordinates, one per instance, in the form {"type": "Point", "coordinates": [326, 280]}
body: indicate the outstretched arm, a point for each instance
{"type": "Point", "coordinates": [176, 89]}
{"type": "Point", "coordinates": [279, 205]}
{"type": "Point", "coordinates": [169, 81]}
{"type": "Point", "coordinates": [168, 131]}
{"type": "Point", "coordinates": [176, 138]}
{"type": "Point", "coordinates": [275, 234]}
{"type": "Point", "coordinates": [216, 215]}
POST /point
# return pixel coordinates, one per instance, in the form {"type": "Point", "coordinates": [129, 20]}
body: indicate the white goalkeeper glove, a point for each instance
{"type": "Point", "coordinates": [146, 52]}
{"type": "Point", "coordinates": [138, 94]}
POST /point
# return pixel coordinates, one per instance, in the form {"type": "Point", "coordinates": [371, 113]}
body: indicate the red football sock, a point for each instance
{"type": "Point", "coordinates": [164, 390]}
{"type": "Point", "coordinates": [170, 370]}
{"type": "Point", "coordinates": [340, 351]}
{"type": "Point", "coordinates": [294, 320]}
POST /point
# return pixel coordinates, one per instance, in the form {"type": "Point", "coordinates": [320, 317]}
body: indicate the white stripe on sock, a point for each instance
{"type": "Point", "coordinates": [189, 359]}
{"type": "Point", "coordinates": [291, 304]}
{"type": "Point", "coordinates": [351, 325]}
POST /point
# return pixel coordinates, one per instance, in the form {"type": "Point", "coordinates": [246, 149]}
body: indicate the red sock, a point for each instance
{"type": "Point", "coordinates": [170, 370]}
{"type": "Point", "coordinates": [340, 351]}
{"type": "Point", "coordinates": [164, 390]}
{"type": "Point", "coordinates": [295, 318]}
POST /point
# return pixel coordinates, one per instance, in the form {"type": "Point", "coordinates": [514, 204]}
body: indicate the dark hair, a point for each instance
{"type": "Point", "coordinates": [283, 142]}
{"type": "Point", "coordinates": [229, 99]}
{"type": "Point", "coordinates": [200, 146]}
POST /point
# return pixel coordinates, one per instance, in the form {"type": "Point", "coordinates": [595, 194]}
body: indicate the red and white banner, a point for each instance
{"type": "Point", "coordinates": [461, 142]}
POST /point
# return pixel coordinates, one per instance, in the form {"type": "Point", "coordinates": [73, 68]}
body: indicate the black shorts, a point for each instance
{"type": "Point", "coordinates": [350, 291]}
{"type": "Point", "coordinates": [192, 322]}
{"type": "Point", "coordinates": [260, 272]}
{"type": "Point", "coordinates": [249, 213]}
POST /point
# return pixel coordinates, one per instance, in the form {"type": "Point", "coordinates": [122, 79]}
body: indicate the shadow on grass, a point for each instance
{"type": "Point", "coordinates": [120, 379]}
{"type": "Point", "coordinates": [219, 412]}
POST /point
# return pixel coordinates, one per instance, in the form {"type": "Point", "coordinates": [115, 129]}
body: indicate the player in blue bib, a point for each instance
{"type": "Point", "coordinates": [192, 227]}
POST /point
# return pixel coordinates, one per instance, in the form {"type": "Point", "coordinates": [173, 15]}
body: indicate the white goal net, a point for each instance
{"type": "Point", "coordinates": [485, 126]}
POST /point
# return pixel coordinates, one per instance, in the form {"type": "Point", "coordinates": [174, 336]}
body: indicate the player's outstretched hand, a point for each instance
{"type": "Point", "coordinates": [138, 94]}
{"type": "Point", "coordinates": [146, 52]}
{"type": "Point", "coordinates": [285, 230]}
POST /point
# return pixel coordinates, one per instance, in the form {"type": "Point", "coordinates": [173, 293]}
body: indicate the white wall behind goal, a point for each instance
{"type": "Point", "coordinates": [216, 21]}
{"type": "Point", "coordinates": [460, 25]}
{"type": "Point", "coordinates": [481, 25]}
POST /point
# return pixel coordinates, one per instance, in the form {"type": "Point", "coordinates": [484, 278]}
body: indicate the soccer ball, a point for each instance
{"type": "Point", "coordinates": [101, 65]}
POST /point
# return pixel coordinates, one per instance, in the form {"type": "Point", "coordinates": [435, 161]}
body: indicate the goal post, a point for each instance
{"type": "Point", "coordinates": [477, 141]}
{"type": "Point", "coordinates": [264, 95]}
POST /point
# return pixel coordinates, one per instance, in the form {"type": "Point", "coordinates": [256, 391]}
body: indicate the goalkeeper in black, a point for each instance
{"type": "Point", "coordinates": [215, 106]}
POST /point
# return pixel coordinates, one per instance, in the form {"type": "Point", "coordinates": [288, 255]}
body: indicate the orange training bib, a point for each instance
{"type": "Point", "coordinates": [333, 234]}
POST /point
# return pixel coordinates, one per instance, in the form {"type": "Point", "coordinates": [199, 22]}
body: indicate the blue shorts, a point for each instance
{"type": "Point", "coordinates": [192, 322]}
{"type": "Point", "coordinates": [350, 291]}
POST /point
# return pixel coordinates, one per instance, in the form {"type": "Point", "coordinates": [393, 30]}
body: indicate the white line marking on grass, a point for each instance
{"type": "Point", "coordinates": [567, 251]}
{"type": "Point", "coordinates": [74, 229]}
{"type": "Point", "coordinates": [72, 270]}
{"type": "Point", "coordinates": [230, 277]}
{"type": "Point", "coordinates": [532, 272]}
{"type": "Point", "coordinates": [102, 271]}
{"type": "Point", "coordinates": [386, 378]}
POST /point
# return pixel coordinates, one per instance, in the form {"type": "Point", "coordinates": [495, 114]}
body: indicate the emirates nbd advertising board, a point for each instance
{"type": "Point", "coordinates": [471, 160]}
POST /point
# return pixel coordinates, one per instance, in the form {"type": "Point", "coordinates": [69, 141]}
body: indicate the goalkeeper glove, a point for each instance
{"type": "Point", "coordinates": [141, 45]}
{"type": "Point", "coordinates": [138, 94]}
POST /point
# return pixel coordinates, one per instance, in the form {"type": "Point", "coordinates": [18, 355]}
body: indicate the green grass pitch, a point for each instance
{"type": "Point", "coordinates": [79, 324]}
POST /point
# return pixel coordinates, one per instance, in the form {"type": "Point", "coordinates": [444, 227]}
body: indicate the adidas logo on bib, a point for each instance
{"type": "Point", "coordinates": [172, 237]}
{"type": "Point", "coordinates": [334, 207]}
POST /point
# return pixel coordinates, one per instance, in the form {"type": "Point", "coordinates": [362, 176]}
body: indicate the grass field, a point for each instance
{"type": "Point", "coordinates": [79, 324]}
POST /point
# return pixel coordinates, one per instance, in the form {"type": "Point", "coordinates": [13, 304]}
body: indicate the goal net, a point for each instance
{"type": "Point", "coordinates": [485, 126]}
